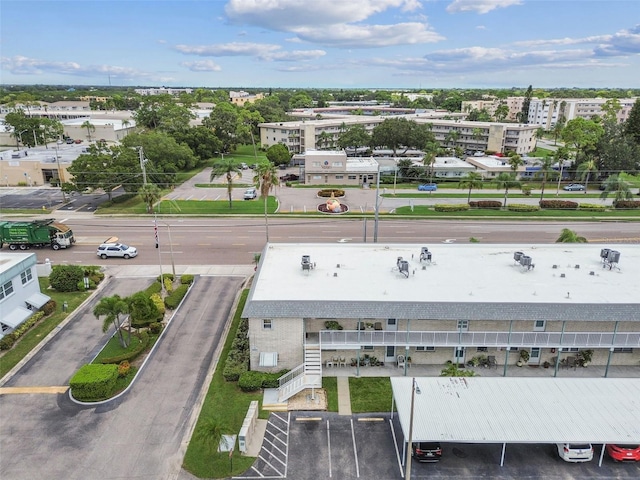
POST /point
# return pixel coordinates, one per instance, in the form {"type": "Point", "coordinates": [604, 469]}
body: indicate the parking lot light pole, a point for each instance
{"type": "Point", "coordinates": [414, 389]}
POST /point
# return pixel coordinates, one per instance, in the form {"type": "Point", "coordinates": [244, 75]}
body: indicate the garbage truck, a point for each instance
{"type": "Point", "coordinates": [36, 233]}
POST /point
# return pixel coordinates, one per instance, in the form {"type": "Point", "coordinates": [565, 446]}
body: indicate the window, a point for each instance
{"type": "Point", "coordinates": [569, 349]}
{"type": "Point", "coordinates": [26, 276]}
{"type": "Point", "coordinates": [339, 177]}
{"type": "Point", "coordinates": [352, 177]}
{"type": "Point", "coordinates": [483, 349]}
{"type": "Point", "coordinates": [623, 350]}
{"type": "Point", "coordinates": [6, 290]}
{"type": "Point", "coordinates": [424, 348]}
{"type": "Point", "coordinates": [367, 347]}
{"type": "Point", "coordinates": [266, 324]}
{"type": "Point", "coordinates": [539, 325]}
{"type": "Point", "coordinates": [336, 164]}
{"type": "Point", "coordinates": [463, 325]}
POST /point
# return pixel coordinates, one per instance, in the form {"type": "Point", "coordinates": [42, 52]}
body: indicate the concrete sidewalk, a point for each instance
{"type": "Point", "coordinates": [344, 396]}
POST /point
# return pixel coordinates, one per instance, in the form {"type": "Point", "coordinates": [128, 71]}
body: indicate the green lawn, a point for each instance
{"type": "Point", "coordinates": [370, 394]}
{"type": "Point", "coordinates": [33, 337]}
{"type": "Point", "coordinates": [330, 385]}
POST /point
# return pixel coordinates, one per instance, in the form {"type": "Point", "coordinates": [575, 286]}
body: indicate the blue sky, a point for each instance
{"type": "Point", "coordinates": [322, 43]}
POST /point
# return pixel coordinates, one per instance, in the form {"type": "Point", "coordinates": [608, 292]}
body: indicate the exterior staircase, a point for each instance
{"type": "Point", "coordinates": [307, 375]}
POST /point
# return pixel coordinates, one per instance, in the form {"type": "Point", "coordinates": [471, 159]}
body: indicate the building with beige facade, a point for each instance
{"type": "Point", "coordinates": [318, 306]}
{"type": "Point", "coordinates": [331, 167]}
{"type": "Point", "coordinates": [301, 135]}
{"type": "Point", "coordinates": [240, 98]}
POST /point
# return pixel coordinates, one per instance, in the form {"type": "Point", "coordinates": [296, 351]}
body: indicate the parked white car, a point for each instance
{"type": "Point", "coordinates": [575, 452]}
{"type": "Point", "coordinates": [250, 193]}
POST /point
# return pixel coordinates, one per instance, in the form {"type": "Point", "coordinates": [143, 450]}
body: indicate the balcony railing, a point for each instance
{"type": "Point", "coordinates": [331, 339]}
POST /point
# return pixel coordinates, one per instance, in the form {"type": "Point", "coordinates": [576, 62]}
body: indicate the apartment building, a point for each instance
{"type": "Point", "coordinates": [299, 136]}
{"type": "Point", "coordinates": [20, 295]}
{"type": "Point", "coordinates": [240, 98]}
{"type": "Point", "coordinates": [432, 304]}
{"type": "Point", "coordinates": [546, 112]}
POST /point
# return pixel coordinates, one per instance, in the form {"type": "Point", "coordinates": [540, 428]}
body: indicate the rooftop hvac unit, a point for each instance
{"type": "Point", "coordinates": [613, 256]}
{"type": "Point", "coordinates": [517, 255]}
{"type": "Point", "coordinates": [306, 263]}
{"type": "Point", "coordinates": [425, 255]}
{"type": "Point", "coordinates": [403, 266]}
{"type": "Point", "coordinates": [604, 253]}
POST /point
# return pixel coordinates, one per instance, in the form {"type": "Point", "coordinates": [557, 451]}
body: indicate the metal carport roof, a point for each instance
{"type": "Point", "coordinates": [520, 410]}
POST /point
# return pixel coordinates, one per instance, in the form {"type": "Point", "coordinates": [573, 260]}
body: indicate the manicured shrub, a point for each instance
{"type": "Point", "coordinates": [445, 207]}
{"type": "Point", "coordinates": [142, 310]}
{"type": "Point", "coordinates": [250, 381]}
{"type": "Point", "coordinates": [168, 285]}
{"type": "Point", "coordinates": [155, 287]}
{"type": "Point", "coordinates": [489, 204]}
{"type": "Point", "coordinates": [65, 278]}
{"type": "Point", "coordinates": [558, 204]}
{"type": "Point", "coordinates": [7, 341]}
{"type": "Point", "coordinates": [186, 279]}
{"type": "Point", "coordinates": [521, 207]}
{"type": "Point", "coordinates": [328, 192]}
{"type": "Point", "coordinates": [233, 370]}
{"type": "Point", "coordinates": [627, 204]}
{"type": "Point", "coordinates": [123, 368]}
{"type": "Point", "coordinates": [159, 303]}
{"type": "Point", "coordinates": [592, 207]}
{"type": "Point", "coordinates": [49, 307]}
{"type": "Point", "coordinates": [173, 300]}
{"type": "Point", "coordinates": [94, 382]}
{"type": "Point", "coordinates": [155, 328]}
{"type": "Point", "coordinates": [142, 340]}
{"type": "Point", "coordinates": [165, 275]}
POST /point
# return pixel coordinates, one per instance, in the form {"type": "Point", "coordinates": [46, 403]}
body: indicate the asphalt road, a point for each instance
{"type": "Point", "coordinates": [142, 434]}
{"type": "Point", "coordinates": [233, 241]}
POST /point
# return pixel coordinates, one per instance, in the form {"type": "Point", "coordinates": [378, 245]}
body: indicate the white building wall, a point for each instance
{"type": "Point", "coordinates": [285, 337]}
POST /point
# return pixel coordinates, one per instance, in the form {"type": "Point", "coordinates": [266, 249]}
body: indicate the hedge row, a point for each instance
{"type": "Point", "coordinates": [251, 381]}
{"type": "Point", "coordinates": [559, 204]}
{"type": "Point", "coordinates": [627, 204]}
{"type": "Point", "coordinates": [445, 207]}
{"type": "Point", "coordinates": [172, 300]}
{"type": "Point", "coordinates": [237, 361]}
{"type": "Point", "coordinates": [521, 207]}
{"type": "Point", "coordinates": [592, 207]}
{"type": "Point", "coordinates": [11, 338]}
{"type": "Point", "coordinates": [94, 382]}
{"type": "Point", "coordinates": [327, 192]}
{"type": "Point", "coordinates": [143, 343]}
{"type": "Point", "coordinates": [486, 204]}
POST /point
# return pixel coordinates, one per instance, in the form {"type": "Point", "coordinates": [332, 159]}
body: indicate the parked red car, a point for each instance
{"type": "Point", "coordinates": [624, 453]}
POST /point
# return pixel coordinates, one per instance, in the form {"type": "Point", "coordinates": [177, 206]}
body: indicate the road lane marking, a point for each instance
{"type": "Point", "coordinates": [23, 390]}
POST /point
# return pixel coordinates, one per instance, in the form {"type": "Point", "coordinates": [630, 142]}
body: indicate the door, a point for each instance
{"type": "Point", "coordinates": [392, 324]}
{"type": "Point", "coordinates": [534, 358]}
{"type": "Point", "coordinates": [390, 354]}
{"type": "Point", "coordinates": [458, 355]}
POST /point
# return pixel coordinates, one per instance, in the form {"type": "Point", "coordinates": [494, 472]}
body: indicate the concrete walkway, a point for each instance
{"type": "Point", "coordinates": [344, 396]}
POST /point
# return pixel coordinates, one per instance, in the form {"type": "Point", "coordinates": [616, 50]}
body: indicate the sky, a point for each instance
{"type": "Point", "coordinates": [386, 44]}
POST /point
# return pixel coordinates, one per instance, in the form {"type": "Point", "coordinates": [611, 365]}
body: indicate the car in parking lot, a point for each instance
{"type": "Point", "coordinates": [575, 452]}
{"type": "Point", "coordinates": [115, 249]}
{"type": "Point", "coordinates": [624, 453]}
{"type": "Point", "coordinates": [426, 451]}
{"type": "Point", "coordinates": [289, 177]}
{"type": "Point", "coordinates": [250, 193]}
{"type": "Point", "coordinates": [573, 187]}
{"type": "Point", "coordinates": [244, 166]}
{"type": "Point", "coordinates": [427, 187]}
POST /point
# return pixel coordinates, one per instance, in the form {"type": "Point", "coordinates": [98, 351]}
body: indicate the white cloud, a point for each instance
{"type": "Point", "coordinates": [363, 36]}
{"type": "Point", "coordinates": [295, 55]}
{"type": "Point", "coordinates": [262, 51]}
{"type": "Point", "coordinates": [480, 6]}
{"type": "Point", "coordinates": [334, 22]}
{"type": "Point", "coordinates": [20, 65]}
{"type": "Point", "coordinates": [202, 66]}
{"type": "Point", "coordinates": [282, 14]}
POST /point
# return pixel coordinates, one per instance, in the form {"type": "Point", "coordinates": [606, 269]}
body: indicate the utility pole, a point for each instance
{"type": "Point", "coordinates": [142, 167]}
{"type": "Point", "coordinates": [375, 224]}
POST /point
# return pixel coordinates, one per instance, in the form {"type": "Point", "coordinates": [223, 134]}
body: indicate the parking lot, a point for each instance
{"type": "Point", "coordinates": [315, 445]}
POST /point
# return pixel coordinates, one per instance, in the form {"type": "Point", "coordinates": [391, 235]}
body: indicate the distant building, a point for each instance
{"type": "Point", "coordinates": [240, 98]}
{"type": "Point", "coordinates": [546, 112]}
{"type": "Point", "coordinates": [162, 91]}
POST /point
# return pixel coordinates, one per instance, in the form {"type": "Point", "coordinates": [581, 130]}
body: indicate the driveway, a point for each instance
{"type": "Point", "coordinates": [141, 434]}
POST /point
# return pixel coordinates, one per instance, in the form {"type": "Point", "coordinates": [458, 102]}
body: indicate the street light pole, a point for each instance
{"type": "Point", "coordinates": [375, 224]}
{"type": "Point", "coordinates": [414, 389]}
{"type": "Point", "coordinates": [60, 178]}
{"type": "Point", "coordinates": [560, 177]}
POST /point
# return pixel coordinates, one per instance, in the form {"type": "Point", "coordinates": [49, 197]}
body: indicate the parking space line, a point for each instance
{"type": "Point", "coordinates": [274, 468]}
{"type": "Point", "coordinates": [395, 444]}
{"type": "Point", "coordinates": [274, 446]}
{"type": "Point", "coordinates": [355, 450]}
{"type": "Point", "coordinates": [329, 445]}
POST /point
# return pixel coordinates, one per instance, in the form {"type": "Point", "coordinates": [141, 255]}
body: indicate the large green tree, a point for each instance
{"type": "Point", "coordinates": [400, 135]}
{"type": "Point", "coordinates": [632, 125]}
{"type": "Point", "coordinates": [506, 181]}
{"type": "Point", "coordinates": [618, 185]}
{"type": "Point", "coordinates": [278, 154]}
{"type": "Point", "coordinates": [223, 120]}
{"type": "Point", "coordinates": [582, 136]}
{"type": "Point", "coordinates": [162, 112]}
{"type": "Point", "coordinates": [354, 137]}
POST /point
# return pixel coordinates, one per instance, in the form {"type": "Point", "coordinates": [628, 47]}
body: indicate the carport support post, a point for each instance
{"type": "Point", "coordinates": [407, 474]}
{"type": "Point", "coordinates": [504, 448]}
{"type": "Point", "coordinates": [506, 355]}
{"type": "Point", "coordinates": [604, 446]}
{"type": "Point", "coordinates": [611, 350]}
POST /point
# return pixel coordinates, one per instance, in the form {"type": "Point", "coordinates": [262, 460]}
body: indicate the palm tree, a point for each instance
{"type": "Point", "coordinates": [323, 140]}
{"type": "Point", "coordinates": [227, 167]}
{"type": "Point", "coordinates": [429, 159]}
{"type": "Point", "coordinates": [546, 167]}
{"type": "Point", "coordinates": [618, 185]}
{"type": "Point", "coordinates": [150, 194]}
{"type": "Point", "coordinates": [585, 170]}
{"type": "Point", "coordinates": [112, 308]}
{"type": "Point", "coordinates": [452, 137]}
{"type": "Point", "coordinates": [90, 128]}
{"type": "Point", "coordinates": [265, 178]}
{"type": "Point", "coordinates": [569, 236]}
{"type": "Point", "coordinates": [506, 181]}
{"type": "Point", "coordinates": [539, 133]}
{"type": "Point", "coordinates": [515, 161]}
{"type": "Point", "coordinates": [477, 136]}
{"type": "Point", "coordinates": [209, 432]}
{"type": "Point", "coordinates": [471, 180]}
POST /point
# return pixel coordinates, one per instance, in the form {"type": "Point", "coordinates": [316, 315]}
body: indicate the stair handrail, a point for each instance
{"type": "Point", "coordinates": [290, 375]}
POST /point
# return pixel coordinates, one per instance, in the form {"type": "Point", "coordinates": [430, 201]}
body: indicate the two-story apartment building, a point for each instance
{"type": "Point", "coordinates": [311, 304]}
{"type": "Point", "coordinates": [331, 167]}
{"type": "Point", "coordinates": [20, 295]}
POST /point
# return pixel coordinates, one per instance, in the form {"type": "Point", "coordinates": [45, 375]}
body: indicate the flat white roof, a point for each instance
{"type": "Point", "coordinates": [520, 410]}
{"type": "Point", "coordinates": [471, 281]}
